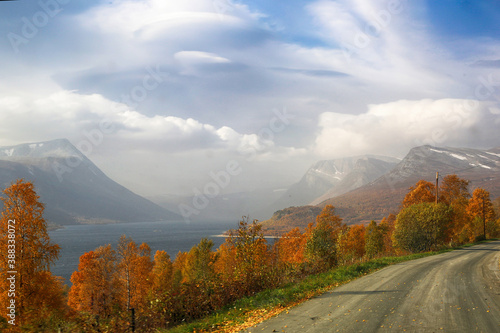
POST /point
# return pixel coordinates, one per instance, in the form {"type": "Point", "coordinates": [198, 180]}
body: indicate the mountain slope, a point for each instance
{"type": "Point", "coordinates": [326, 179]}
{"type": "Point", "coordinates": [73, 188]}
{"type": "Point", "coordinates": [384, 195]}
{"type": "Point", "coordinates": [366, 169]}
{"type": "Point", "coordinates": [292, 217]}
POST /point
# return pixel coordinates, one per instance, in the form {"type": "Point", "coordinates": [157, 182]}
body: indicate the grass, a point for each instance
{"type": "Point", "coordinates": [249, 311]}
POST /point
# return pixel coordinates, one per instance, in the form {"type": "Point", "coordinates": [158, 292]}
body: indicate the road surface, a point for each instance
{"type": "Point", "coordinates": [458, 291]}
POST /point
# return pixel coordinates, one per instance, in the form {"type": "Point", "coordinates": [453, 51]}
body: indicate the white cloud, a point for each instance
{"type": "Point", "coordinates": [152, 18]}
{"type": "Point", "coordinates": [381, 46]}
{"type": "Point", "coordinates": [71, 115]}
{"type": "Point", "coordinates": [394, 128]}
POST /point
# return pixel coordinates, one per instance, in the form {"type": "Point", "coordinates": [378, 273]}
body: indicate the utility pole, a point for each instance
{"type": "Point", "coordinates": [437, 186]}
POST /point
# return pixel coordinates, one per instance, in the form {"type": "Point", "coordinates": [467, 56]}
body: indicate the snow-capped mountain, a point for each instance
{"type": "Point", "coordinates": [427, 160]}
{"type": "Point", "coordinates": [55, 148]}
{"type": "Point", "coordinates": [384, 195]}
{"type": "Point", "coordinates": [73, 189]}
{"type": "Point", "coordinates": [326, 179]}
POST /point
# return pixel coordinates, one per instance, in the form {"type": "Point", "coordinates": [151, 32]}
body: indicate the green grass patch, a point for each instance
{"type": "Point", "coordinates": [294, 293]}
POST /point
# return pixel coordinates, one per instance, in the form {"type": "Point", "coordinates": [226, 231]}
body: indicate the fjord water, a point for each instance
{"type": "Point", "coordinates": [172, 237]}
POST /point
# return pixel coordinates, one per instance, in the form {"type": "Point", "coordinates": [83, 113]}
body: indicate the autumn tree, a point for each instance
{"type": "Point", "coordinates": [27, 254]}
{"type": "Point", "coordinates": [496, 206]}
{"type": "Point", "coordinates": [480, 209]}
{"type": "Point", "coordinates": [422, 227]}
{"type": "Point", "coordinates": [200, 263]}
{"type": "Point", "coordinates": [289, 254]}
{"type": "Point", "coordinates": [200, 294]}
{"type": "Point", "coordinates": [374, 240]}
{"type": "Point", "coordinates": [96, 290]}
{"type": "Point", "coordinates": [321, 246]}
{"type": "Point", "coordinates": [160, 295]}
{"type": "Point", "coordinates": [454, 192]}
{"type": "Point", "coordinates": [423, 191]}
{"type": "Point", "coordinates": [225, 267]}
{"type": "Point", "coordinates": [388, 224]}
{"type": "Point", "coordinates": [290, 247]}
{"type": "Point", "coordinates": [252, 255]}
{"type": "Point", "coordinates": [134, 268]}
{"type": "Point", "coordinates": [351, 244]}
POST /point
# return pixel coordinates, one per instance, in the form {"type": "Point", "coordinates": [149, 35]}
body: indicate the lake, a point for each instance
{"type": "Point", "coordinates": [172, 237]}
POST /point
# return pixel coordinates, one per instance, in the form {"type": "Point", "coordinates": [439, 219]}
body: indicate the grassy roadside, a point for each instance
{"type": "Point", "coordinates": [249, 311]}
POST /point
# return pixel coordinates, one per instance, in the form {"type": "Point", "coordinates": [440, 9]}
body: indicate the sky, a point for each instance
{"type": "Point", "coordinates": [169, 96]}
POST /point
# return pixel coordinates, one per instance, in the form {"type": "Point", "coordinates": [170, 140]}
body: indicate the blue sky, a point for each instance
{"type": "Point", "coordinates": [274, 85]}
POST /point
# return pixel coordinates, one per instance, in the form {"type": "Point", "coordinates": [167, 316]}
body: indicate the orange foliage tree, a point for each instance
{"type": "Point", "coordinates": [290, 247]}
{"type": "Point", "coordinates": [289, 254]}
{"type": "Point", "coordinates": [134, 271]}
{"type": "Point", "coordinates": [454, 192]}
{"type": "Point", "coordinates": [161, 290]}
{"type": "Point", "coordinates": [225, 267]}
{"type": "Point", "coordinates": [423, 191]}
{"type": "Point", "coordinates": [96, 290]}
{"type": "Point", "coordinates": [351, 244]}
{"type": "Point", "coordinates": [480, 209]}
{"type": "Point", "coordinates": [33, 294]}
{"type": "Point", "coordinates": [388, 225]}
{"type": "Point", "coordinates": [109, 284]}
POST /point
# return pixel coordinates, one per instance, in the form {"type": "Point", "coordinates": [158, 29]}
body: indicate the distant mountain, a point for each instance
{"type": "Point", "coordinates": [327, 179]}
{"type": "Point", "coordinates": [73, 188]}
{"type": "Point", "coordinates": [384, 195]}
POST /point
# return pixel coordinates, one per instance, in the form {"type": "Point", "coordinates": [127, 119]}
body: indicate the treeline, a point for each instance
{"type": "Point", "coordinates": [125, 288]}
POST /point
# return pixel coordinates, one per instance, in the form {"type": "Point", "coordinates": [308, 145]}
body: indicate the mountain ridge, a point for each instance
{"type": "Point", "coordinates": [73, 189]}
{"type": "Point", "coordinates": [383, 196]}
{"type": "Point", "coordinates": [335, 176]}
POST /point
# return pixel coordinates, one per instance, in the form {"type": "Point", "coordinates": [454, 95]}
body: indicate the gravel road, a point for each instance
{"type": "Point", "coordinates": [458, 291]}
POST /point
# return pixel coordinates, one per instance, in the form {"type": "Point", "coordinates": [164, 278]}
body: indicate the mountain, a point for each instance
{"type": "Point", "coordinates": [384, 195]}
{"type": "Point", "coordinates": [73, 188]}
{"type": "Point", "coordinates": [326, 179]}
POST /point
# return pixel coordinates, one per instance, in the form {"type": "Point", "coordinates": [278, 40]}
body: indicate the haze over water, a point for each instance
{"type": "Point", "coordinates": [172, 237]}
